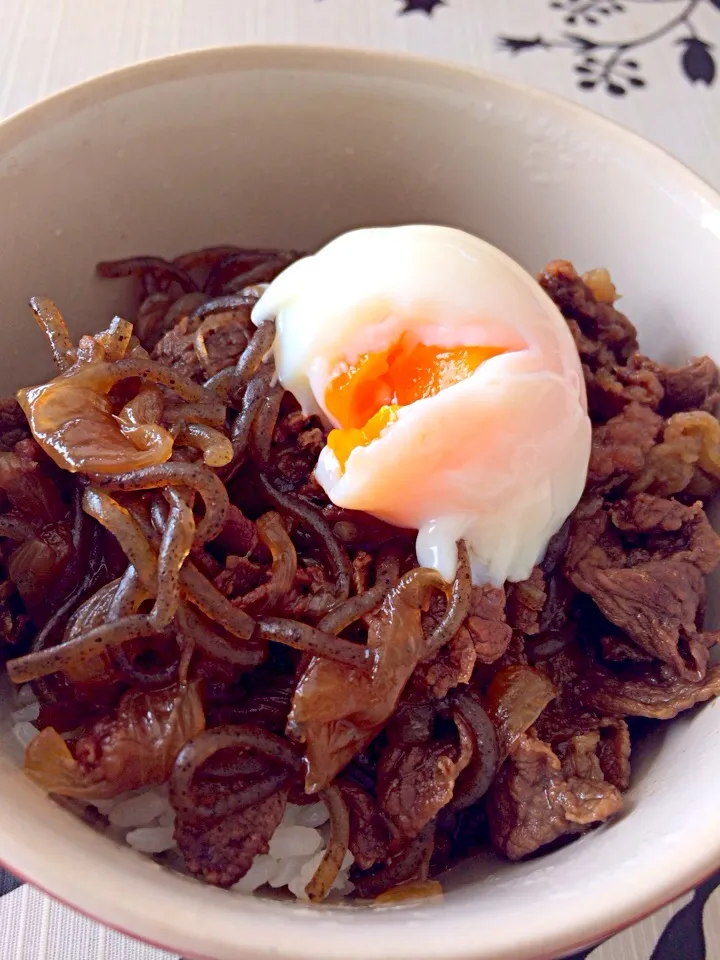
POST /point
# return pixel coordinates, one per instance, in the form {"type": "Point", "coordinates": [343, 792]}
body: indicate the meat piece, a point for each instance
{"type": "Point", "coordinates": [239, 535]}
{"type": "Point", "coordinates": [13, 424]}
{"type": "Point", "coordinates": [693, 386]}
{"type": "Point", "coordinates": [620, 447]}
{"type": "Point", "coordinates": [298, 441]}
{"type": "Point", "coordinates": [534, 801]}
{"type": "Point", "coordinates": [656, 604]}
{"type": "Point", "coordinates": [610, 390]}
{"type": "Point", "coordinates": [602, 334]}
{"type": "Point", "coordinates": [486, 624]}
{"type": "Point", "coordinates": [16, 629]}
{"type": "Point", "coordinates": [222, 851]}
{"type": "Point", "coordinates": [525, 603]}
{"type": "Point", "coordinates": [370, 834]}
{"type": "Point", "coordinates": [362, 564]}
{"type": "Point", "coordinates": [453, 664]}
{"type": "Point", "coordinates": [240, 576]}
{"type": "Point", "coordinates": [615, 648]}
{"type": "Point", "coordinates": [311, 595]}
{"type": "Point", "coordinates": [578, 756]}
{"type": "Point", "coordinates": [655, 696]}
{"type": "Point", "coordinates": [224, 345]}
{"type": "Point", "coordinates": [267, 703]}
{"type": "Point", "coordinates": [593, 543]}
{"type": "Point", "coordinates": [667, 529]}
{"type": "Point", "coordinates": [415, 783]}
{"type": "Point", "coordinates": [613, 752]}
{"type": "Point", "coordinates": [651, 585]}
{"type": "Point", "coordinates": [32, 493]}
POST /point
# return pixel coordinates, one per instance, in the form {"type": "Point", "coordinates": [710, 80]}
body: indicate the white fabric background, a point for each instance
{"type": "Point", "coordinates": [46, 45]}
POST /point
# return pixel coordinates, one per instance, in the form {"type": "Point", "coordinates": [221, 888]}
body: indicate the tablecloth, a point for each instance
{"type": "Point", "coordinates": [649, 64]}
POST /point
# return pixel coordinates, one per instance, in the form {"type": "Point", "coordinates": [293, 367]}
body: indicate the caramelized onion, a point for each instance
{"type": "Point", "coordinates": [118, 520]}
{"type": "Point", "coordinates": [216, 449]}
{"type": "Point", "coordinates": [515, 699]}
{"type": "Point", "coordinates": [136, 748]}
{"type": "Point", "coordinates": [338, 709]}
{"type": "Point", "coordinates": [410, 890]}
{"type": "Point", "coordinates": [146, 407]}
{"type": "Point", "coordinates": [331, 864]}
{"type": "Point", "coordinates": [14, 528]}
{"type": "Point", "coordinates": [273, 534]}
{"type": "Point", "coordinates": [72, 420]}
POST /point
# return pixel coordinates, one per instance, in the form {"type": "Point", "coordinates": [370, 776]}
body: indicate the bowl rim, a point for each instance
{"type": "Point", "coordinates": [79, 890]}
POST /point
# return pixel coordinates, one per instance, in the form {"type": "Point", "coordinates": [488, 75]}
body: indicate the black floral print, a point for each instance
{"type": "Point", "coordinates": [424, 6]}
{"type": "Point", "coordinates": [611, 65]}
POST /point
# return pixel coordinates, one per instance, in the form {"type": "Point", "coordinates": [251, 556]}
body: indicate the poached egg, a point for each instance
{"type": "Point", "coordinates": [452, 384]}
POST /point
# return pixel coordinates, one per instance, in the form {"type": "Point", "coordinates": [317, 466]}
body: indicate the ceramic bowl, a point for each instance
{"type": "Point", "coordinates": [287, 147]}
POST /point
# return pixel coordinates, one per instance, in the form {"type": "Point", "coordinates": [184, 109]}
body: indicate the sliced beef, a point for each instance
{"type": "Point", "coordinates": [486, 623]}
{"type": "Point", "coordinates": [452, 665]}
{"type": "Point", "coordinates": [13, 425]}
{"type": "Point", "coordinates": [603, 335]}
{"type": "Point", "coordinates": [611, 389]}
{"type": "Point", "coordinates": [656, 529]}
{"type": "Point", "coordinates": [222, 851]}
{"type": "Point", "coordinates": [621, 446]}
{"type": "Point", "coordinates": [693, 386]}
{"type": "Point", "coordinates": [613, 752]}
{"type": "Point", "coordinates": [224, 341]}
{"type": "Point", "coordinates": [370, 831]}
{"type": "Point", "coordinates": [656, 604]}
{"type": "Point", "coordinates": [643, 562]}
{"type": "Point", "coordinates": [416, 782]}
{"type": "Point", "coordinates": [525, 603]}
{"type": "Point", "coordinates": [534, 801]}
{"type": "Point", "coordinates": [655, 695]}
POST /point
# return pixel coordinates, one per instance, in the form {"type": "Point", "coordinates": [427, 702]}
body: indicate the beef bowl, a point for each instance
{"type": "Point", "coordinates": [282, 149]}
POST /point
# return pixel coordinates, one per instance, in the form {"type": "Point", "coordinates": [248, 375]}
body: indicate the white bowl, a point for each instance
{"type": "Point", "coordinates": [287, 147]}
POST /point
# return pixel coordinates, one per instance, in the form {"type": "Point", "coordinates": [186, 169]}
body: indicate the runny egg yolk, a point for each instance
{"type": "Point", "coordinates": [364, 397]}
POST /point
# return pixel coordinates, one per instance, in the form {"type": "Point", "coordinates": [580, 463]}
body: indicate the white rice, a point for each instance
{"type": "Point", "coordinates": [145, 821]}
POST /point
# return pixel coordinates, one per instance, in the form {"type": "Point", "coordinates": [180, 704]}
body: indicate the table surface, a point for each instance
{"type": "Point", "coordinates": [648, 64]}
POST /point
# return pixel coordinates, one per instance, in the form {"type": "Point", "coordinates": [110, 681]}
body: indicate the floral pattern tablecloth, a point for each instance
{"type": "Point", "coordinates": [649, 64]}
